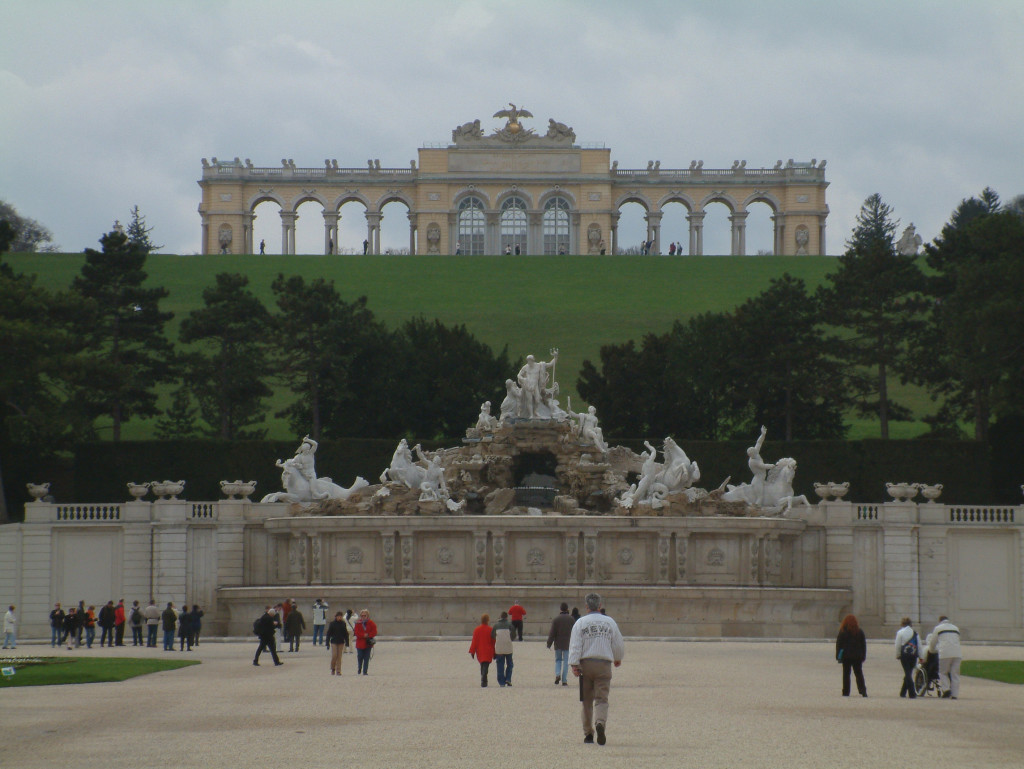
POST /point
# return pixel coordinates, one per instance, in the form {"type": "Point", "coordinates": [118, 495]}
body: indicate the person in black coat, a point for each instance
{"type": "Point", "coordinates": [106, 623]}
{"type": "Point", "coordinates": [337, 639]}
{"type": "Point", "coordinates": [185, 628]}
{"type": "Point", "coordinates": [264, 628]}
{"type": "Point", "coordinates": [851, 651]}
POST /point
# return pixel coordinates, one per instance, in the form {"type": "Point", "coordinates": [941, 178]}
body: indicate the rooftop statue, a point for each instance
{"type": "Point", "coordinates": [909, 241]}
{"type": "Point", "coordinates": [298, 476]}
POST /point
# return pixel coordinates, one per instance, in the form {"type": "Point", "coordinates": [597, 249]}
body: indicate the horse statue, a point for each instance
{"type": "Point", "coordinates": [658, 481]}
{"type": "Point", "coordinates": [778, 490]}
{"type": "Point", "coordinates": [299, 490]}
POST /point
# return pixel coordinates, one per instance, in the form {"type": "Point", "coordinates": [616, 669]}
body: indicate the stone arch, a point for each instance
{"type": "Point", "coordinates": [720, 197]}
{"type": "Point", "coordinates": [395, 196]}
{"type": "Point", "coordinates": [470, 192]}
{"type": "Point", "coordinates": [522, 194]}
{"type": "Point", "coordinates": [265, 197]}
{"type": "Point", "coordinates": [351, 197]}
{"type": "Point", "coordinates": [763, 196]}
{"type": "Point", "coordinates": [559, 193]}
{"type": "Point", "coordinates": [677, 197]}
{"type": "Point", "coordinates": [633, 197]}
{"type": "Point", "coordinates": [309, 197]}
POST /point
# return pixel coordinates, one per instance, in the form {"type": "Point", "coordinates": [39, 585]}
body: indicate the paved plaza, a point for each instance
{"type": "Point", "coordinates": [673, 704]}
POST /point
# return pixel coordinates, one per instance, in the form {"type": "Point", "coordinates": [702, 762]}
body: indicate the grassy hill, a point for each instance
{"type": "Point", "coordinates": [530, 304]}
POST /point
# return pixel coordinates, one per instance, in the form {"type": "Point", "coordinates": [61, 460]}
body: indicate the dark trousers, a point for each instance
{"type": "Point", "coordinates": [136, 635]}
{"type": "Point", "coordinates": [362, 660]}
{"type": "Point", "coordinates": [151, 636]}
{"type": "Point", "coordinates": [107, 634]}
{"type": "Point", "coordinates": [484, 667]}
{"type": "Point", "coordinates": [269, 644]}
{"type": "Point", "coordinates": [857, 673]}
{"type": "Point", "coordinates": [119, 634]}
{"type": "Point", "coordinates": [908, 662]}
{"type": "Point", "coordinates": [517, 627]}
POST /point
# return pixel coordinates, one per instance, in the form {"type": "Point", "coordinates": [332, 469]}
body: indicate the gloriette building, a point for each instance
{"type": "Point", "coordinates": [542, 193]}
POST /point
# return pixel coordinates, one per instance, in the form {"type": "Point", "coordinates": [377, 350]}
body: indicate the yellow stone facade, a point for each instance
{"type": "Point", "coordinates": [513, 191]}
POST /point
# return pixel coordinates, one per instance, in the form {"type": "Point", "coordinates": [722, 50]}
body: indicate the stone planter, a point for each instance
{"type": "Point", "coordinates": [236, 489]}
{"type": "Point", "coordinates": [138, 490]}
{"type": "Point", "coordinates": [37, 490]}
{"type": "Point", "coordinates": [167, 489]}
{"type": "Point", "coordinates": [931, 493]}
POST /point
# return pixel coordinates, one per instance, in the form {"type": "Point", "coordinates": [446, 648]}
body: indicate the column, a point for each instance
{"type": "Point", "coordinates": [821, 234]}
{"type": "Point", "coordinates": [288, 231]}
{"type": "Point", "coordinates": [479, 554]}
{"type": "Point", "coordinates": [696, 220]}
{"type": "Point", "coordinates": [589, 557]}
{"type": "Point", "coordinates": [206, 235]}
{"type": "Point", "coordinates": [779, 221]}
{"type": "Point", "coordinates": [406, 545]}
{"type": "Point", "coordinates": [492, 233]}
{"type": "Point", "coordinates": [498, 550]}
{"type": "Point", "coordinates": [572, 558]}
{"type": "Point", "coordinates": [247, 220]}
{"type": "Point", "coordinates": [330, 232]}
{"type": "Point", "coordinates": [316, 558]}
{"type": "Point", "coordinates": [654, 230]}
{"type": "Point", "coordinates": [682, 551]}
{"type": "Point", "coordinates": [615, 233]}
{"type": "Point", "coordinates": [739, 233]}
{"type": "Point", "coordinates": [535, 232]}
{"type": "Point", "coordinates": [388, 551]}
{"type": "Point", "coordinates": [412, 233]}
{"type": "Point", "coordinates": [372, 225]}
{"type": "Point", "coordinates": [574, 233]}
{"type": "Point", "coordinates": [664, 550]}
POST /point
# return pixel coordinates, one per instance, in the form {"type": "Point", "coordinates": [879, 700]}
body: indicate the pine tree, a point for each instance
{"type": "Point", "coordinates": [138, 232]}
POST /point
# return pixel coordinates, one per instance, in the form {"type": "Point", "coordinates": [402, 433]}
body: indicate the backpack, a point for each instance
{"type": "Point", "coordinates": [910, 647]}
{"type": "Point", "coordinates": [256, 626]}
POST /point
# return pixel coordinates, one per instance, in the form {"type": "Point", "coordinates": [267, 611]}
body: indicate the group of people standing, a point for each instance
{"type": "Point", "coordinates": [940, 653]}
{"type": "Point", "coordinates": [589, 645]}
{"type": "Point", "coordinates": [79, 624]}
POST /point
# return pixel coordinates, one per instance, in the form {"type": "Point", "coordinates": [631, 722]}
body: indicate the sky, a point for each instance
{"type": "Point", "coordinates": [106, 105]}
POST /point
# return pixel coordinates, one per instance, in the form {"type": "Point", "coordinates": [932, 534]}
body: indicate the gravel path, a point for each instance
{"type": "Point", "coordinates": [673, 704]}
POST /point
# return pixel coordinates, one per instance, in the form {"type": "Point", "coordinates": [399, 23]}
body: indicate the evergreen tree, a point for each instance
{"type": "Point", "coordinates": [875, 296]}
{"type": "Point", "coordinates": [24, 234]}
{"type": "Point", "coordinates": [179, 421]}
{"type": "Point", "coordinates": [130, 355]}
{"type": "Point", "coordinates": [225, 369]}
{"type": "Point", "coordinates": [138, 232]}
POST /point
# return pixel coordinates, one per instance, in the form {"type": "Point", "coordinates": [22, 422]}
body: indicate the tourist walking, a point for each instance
{"type": "Point", "coordinates": [907, 651]}
{"type": "Point", "coordinates": [481, 647]}
{"type": "Point", "coordinates": [152, 613]}
{"type": "Point", "coordinates": [501, 635]}
{"type": "Point", "coordinates": [319, 620]}
{"type": "Point", "coordinates": [337, 638]}
{"type": "Point", "coordinates": [169, 618]}
{"type": "Point", "coordinates": [366, 638]}
{"type": "Point", "coordinates": [516, 613]}
{"type": "Point", "coordinates": [106, 623]}
{"type": "Point", "coordinates": [10, 628]}
{"type": "Point", "coordinates": [595, 645]}
{"type": "Point", "coordinates": [56, 624]}
{"type": "Point", "coordinates": [136, 620]}
{"type": "Point", "coordinates": [293, 627]}
{"type": "Point", "coordinates": [851, 651]}
{"type": "Point", "coordinates": [558, 636]}
{"type": "Point", "coordinates": [265, 628]}
{"type": "Point", "coordinates": [944, 640]}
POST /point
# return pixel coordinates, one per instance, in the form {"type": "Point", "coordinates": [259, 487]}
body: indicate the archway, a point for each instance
{"type": "Point", "coordinates": [717, 229]}
{"type": "Point", "coordinates": [394, 227]}
{"type": "Point", "coordinates": [632, 229]}
{"type": "Point", "coordinates": [266, 227]}
{"type": "Point", "coordinates": [675, 227]}
{"type": "Point", "coordinates": [760, 228]}
{"type": "Point", "coordinates": [351, 227]}
{"type": "Point", "coordinates": [309, 228]}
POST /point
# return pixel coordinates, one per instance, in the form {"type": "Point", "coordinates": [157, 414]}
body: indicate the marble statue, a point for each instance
{"type": "Point", "coordinates": [535, 401]}
{"type": "Point", "coordinates": [771, 488]}
{"type": "Point", "coordinates": [401, 462]}
{"type": "Point", "coordinates": [909, 242]}
{"type": "Point", "coordinates": [301, 484]}
{"type": "Point", "coordinates": [486, 421]}
{"type": "Point", "coordinates": [587, 430]}
{"type": "Point", "coordinates": [658, 481]}
{"type": "Point", "coordinates": [510, 406]}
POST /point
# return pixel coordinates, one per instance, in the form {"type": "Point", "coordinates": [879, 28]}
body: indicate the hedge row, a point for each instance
{"type": "Point", "coordinates": [99, 471]}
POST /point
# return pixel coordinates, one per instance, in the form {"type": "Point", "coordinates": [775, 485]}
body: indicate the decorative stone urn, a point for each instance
{"type": "Point", "coordinates": [167, 489]}
{"type": "Point", "coordinates": [37, 490]}
{"type": "Point", "coordinates": [823, 490]}
{"type": "Point", "coordinates": [235, 489]}
{"type": "Point", "coordinates": [138, 490]}
{"type": "Point", "coordinates": [839, 490]}
{"type": "Point", "coordinates": [931, 493]}
{"type": "Point", "coordinates": [901, 492]}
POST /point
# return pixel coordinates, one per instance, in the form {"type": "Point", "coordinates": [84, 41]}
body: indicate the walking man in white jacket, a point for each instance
{"type": "Point", "coordinates": [595, 645]}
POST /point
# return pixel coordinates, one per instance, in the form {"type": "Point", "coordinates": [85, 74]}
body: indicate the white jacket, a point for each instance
{"type": "Point", "coordinates": [595, 637]}
{"type": "Point", "coordinates": [9, 621]}
{"type": "Point", "coordinates": [945, 640]}
{"type": "Point", "coordinates": [903, 636]}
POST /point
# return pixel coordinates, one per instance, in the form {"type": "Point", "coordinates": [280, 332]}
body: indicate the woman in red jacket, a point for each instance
{"type": "Point", "coordinates": [482, 647]}
{"type": "Point", "coordinates": [366, 634]}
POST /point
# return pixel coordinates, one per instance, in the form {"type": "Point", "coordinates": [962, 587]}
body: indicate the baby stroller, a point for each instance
{"type": "Point", "coordinates": [926, 676]}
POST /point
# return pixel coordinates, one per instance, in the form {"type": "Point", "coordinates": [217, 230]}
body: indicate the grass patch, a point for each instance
{"type": "Point", "coordinates": [55, 671]}
{"type": "Point", "coordinates": [1004, 671]}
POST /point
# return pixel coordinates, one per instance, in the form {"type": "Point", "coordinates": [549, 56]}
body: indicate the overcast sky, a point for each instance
{"type": "Point", "coordinates": [104, 105]}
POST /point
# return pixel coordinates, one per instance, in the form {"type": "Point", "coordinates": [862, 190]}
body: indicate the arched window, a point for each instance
{"type": "Point", "coordinates": [471, 226]}
{"type": "Point", "coordinates": [513, 226]}
{"type": "Point", "coordinates": [556, 226]}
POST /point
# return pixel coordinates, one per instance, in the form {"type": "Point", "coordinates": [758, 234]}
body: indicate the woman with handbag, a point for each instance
{"type": "Point", "coordinates": [366, 634]}
{"type": "Point", "coordinates": [851, 651]}
{"type": "Point", "coordinates": [907, 650]}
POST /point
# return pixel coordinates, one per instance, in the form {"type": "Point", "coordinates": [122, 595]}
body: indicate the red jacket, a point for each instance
{"type": "Point", "coordinates": [119, 614]}
{"type": "Point", "coordinates": [363, 631]}
{"type": "Point", "coordinates": [482, 645]}
{"type": "Point", "coordinates": [516, 613]}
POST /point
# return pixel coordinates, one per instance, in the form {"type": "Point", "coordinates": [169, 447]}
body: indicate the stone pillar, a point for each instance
{"type": "Point", "coordinates": [373, 231]}
{"type": "Point", "coordinates": [206, 235]}
{"type": "Point", "coordinates": [331, 232]}
{"type": "Point", "coordinates": [406, 545]}
{"type": "Point", "coordinates": [821, 234]}
{"type": "Point", "coordinates": [316, 549]}
{"type": "Point", "coordinates": [572, 547]}
{"type": "Point", "coordinates": [574, 233]}
{"type": "Point", "coordinates": [388, 552]}
{"type": "Point", "coordinates": [615, 232]}
{"type": "Point", "coordinates": [479, 556]}
{"type": "Point", "coordinates": [664, 551]}
{"type": "Point", "coordinates": [589, 557]}
{"type": "Point", "coordinates": [535, 232]}
{"type": "Point", "coordinates": [696, 221]}
{"type": "Point", "coordinates": [739, 233]}
{"type": "Point", "coordinates": [682, 551]}
{"type": "Point", "coordinates": [492, 232]}
{"type": "Point", "coordinates": [288, 231]}
{"type": "Point", "coordinates": [779, 240]}
{"type": "Point", "coordinates": [297, 558]}
{"type": "Point", "coordinates": [412, 233]}
{"type": "Point", "coordinates": [653, 220]}
{"type": "Point", "coordinates": [247, 220]}
{"type": "Point", "coordinates": [498, 550]}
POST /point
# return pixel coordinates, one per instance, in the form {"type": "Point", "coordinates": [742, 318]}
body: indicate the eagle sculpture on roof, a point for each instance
{"type": "Point", "coordinates": [513, 114]}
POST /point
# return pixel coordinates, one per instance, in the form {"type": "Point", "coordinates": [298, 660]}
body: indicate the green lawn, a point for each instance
{"type": "Point", "coordinates": [531, 304]}
{"type": "Point", "coordinates": [53, 671]}
{"type": "Point", "coordinates": [1005, 671]}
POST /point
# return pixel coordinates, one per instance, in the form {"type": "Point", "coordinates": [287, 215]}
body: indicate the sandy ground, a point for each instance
{"type": "Point", "coordinates": [673, 704]}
